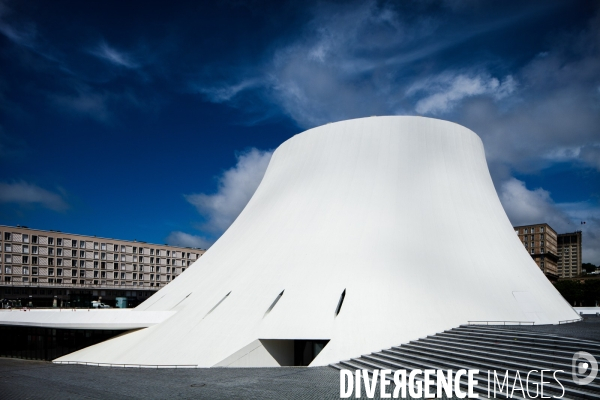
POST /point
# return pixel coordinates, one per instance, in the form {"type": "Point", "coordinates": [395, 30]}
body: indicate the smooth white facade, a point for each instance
{"type": "Point", "coordinates": [400, 212]}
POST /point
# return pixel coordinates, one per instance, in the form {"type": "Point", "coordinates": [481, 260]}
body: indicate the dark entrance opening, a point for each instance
{"type": "Point", "coordinates": [47, 343]}
{"type": "Point", "coordinates": [294, 352]}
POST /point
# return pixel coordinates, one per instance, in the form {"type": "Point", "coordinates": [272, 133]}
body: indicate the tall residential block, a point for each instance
{"type": "Point", "coordinates": [540, 241]}
{"type": "Point", "coordinates": [569, 253]}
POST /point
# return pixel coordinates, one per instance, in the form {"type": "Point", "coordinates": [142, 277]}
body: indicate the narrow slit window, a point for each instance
{"type": "Point", "coordinates": [180, 301]}
{"type": "Point", "coordinates": [217, 305]}
{"type": "Point", "coordinates": [339, 306]}
{"type": "Point", "coordinates": [273, 304]}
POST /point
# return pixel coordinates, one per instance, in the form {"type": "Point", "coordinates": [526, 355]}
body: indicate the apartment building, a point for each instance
{"type": "Point", "coordinates": [540, 241]}
{"type": "Point", "coordinates": [52, 268]}
{"type": "Point", "coordinates": [569, 254]}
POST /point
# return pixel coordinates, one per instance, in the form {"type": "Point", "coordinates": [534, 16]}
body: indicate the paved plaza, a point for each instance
{"type": "Point", "coordinates": [23, 379]}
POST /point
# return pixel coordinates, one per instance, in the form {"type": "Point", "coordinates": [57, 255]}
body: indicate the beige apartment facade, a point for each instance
{"type": "Point", "coordinates": [569, 255]}
{"type": "Point", "coordinates": [37, 264]}
{"type": "Point", "coordinates": [540, 241]}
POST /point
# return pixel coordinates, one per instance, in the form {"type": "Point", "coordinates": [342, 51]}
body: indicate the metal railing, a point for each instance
{"type": "Point", "coordinates": [501, 323]}
{"type": "Point", "coordinates": [17, 285]}
{"type": "Point", "coordinates": [125, 365]}
{"type": "Point", "coordinates": [568, 321]}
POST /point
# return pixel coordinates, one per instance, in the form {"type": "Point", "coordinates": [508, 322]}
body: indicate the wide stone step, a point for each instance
{"type": "Point", "coordinates": [488, 349]}
{"type": "Point", "coordinates": [516, 342]}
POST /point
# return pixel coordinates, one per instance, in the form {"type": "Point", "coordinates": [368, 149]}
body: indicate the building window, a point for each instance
{"type": "Point", "coordinates": [59, 242]}
{"type": "Point", "coordinates": [103, 256]}
{"type": "Point", "coordinates": [7, 236]}
{"type": "Point", "coordinates": [50, 251]}
{"type": "Point", "coordinates": [122, 248]}
{"type": "Point", "coordinates": [50, 271]}
{"type": "Point", "coordinates": [51, 241]}
{"type": "Point", "coordinates": [26, 250]}
{"type": "Point", "coordinates": [542, 229]}
{"type": "Point", "coordinates": [81, 254]}
{"type": "Point", "coordinates": [82, 274]}
{"type": "Point", "coordinates": [135, 250]}
{"type": "Point", "coordinates": [134, 276]}
{"type": "Point", "coordinates": [7, 269]}
{"type": "Point", "coordinates": [151, 251]}
{"type": "Point", "coordinates": [7, 247]}
{"type": "Point", "coordinates": [103, 274]}
{"type": "Point", "coordinates": [51, 261]}
{"type": "Point", "coordinates": [59, 272]}
{"type": "Point", "coordinates": [34, 239]}
{"type": "Point", "coordinates": [103, 246]}
{"type": "Point", "coordinates": [25, 271]}
{"type": "Point", "coordinates": [103, 265]}
{"type": "Point", "coordinates": [25, 259]}
{"type": "Point", "coordinates": [116, 247]}
{"type": "Point", "coordinates": [96, 264]}
{"type": "Point", "coordinates": [25, 238]}
{"type": "Point", "coordinates": [59, 252]}
{"type": "Point", "coordinates": [34, 270]}
{"type": "Point", "coordinates": [82, 244]}
{"type": "Point", "coordinates": [122, 275]}
{"type": "Point", "coordinates": [59, 261]}
{"type": "Point", "coordinates": [81, 264]}
{"type": "Point", "coordinates": [34, 260]}
{"type": "Point", "coordinates": [95, 274]}
{"type": "Point", "coordinates": [95, 245]}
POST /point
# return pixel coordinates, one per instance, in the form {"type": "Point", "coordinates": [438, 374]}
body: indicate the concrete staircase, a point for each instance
{"type": "Point", "coordinates": [491, 348]}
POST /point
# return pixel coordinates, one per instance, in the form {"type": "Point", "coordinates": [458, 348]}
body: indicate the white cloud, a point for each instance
{"type": "Point", "coordinates": [26, 193]}
{"type": "Point", "coordinates": [98, 104]}
{"type": "Point", "coordinates": [183, 239]}
{"type": "Point", "coordinates": [445, 91]}
{"type": "Point", "coordinates": [236, 187]}
{"type": "Point", "coordinates": [22, 35]}
{"type": "Point", "coordinates": [590, 154]}
{"type": "Point", "coordinates": [524, 207]}
{"type": "Point", "coordinates": [224, 93]}
{"type": "Point", "coordinates": [119, 58]}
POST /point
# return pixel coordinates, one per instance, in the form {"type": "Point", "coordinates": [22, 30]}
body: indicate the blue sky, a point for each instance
{"type": "Point", "coordinates": [155, 123]}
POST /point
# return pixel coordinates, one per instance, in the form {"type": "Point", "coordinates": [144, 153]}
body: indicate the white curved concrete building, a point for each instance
{"type": "Point", "coordinates": [398, 214]}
